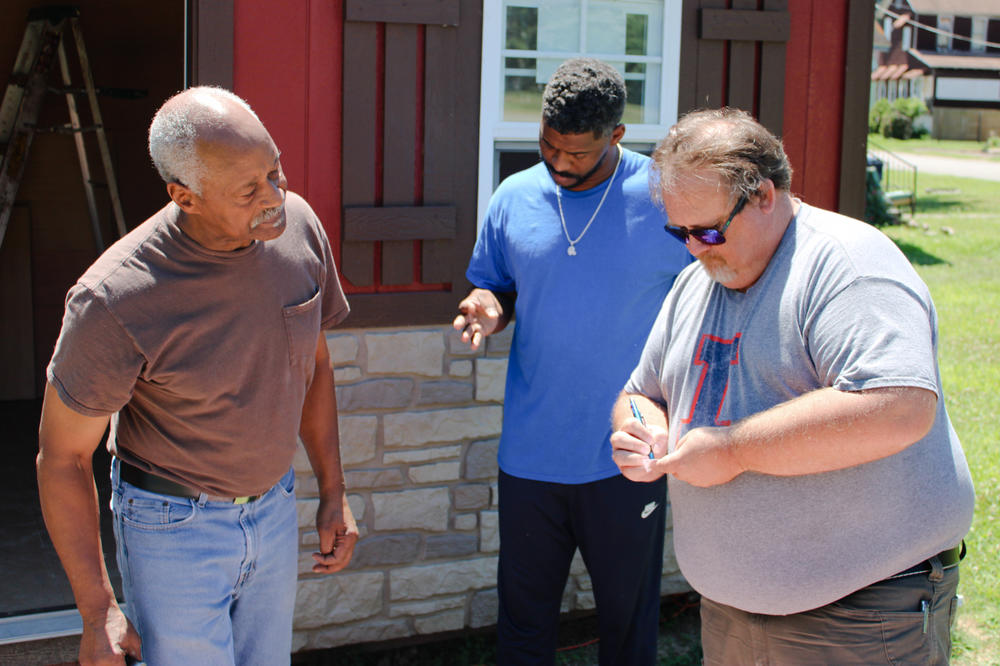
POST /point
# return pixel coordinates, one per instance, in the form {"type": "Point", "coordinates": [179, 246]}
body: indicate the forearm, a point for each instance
{"type": "Point", "coordinates": [319, 431]}
{"type": "Point", "coordinates": [71, 512]}
{"type": "Point", "coordinates": [828, 429]}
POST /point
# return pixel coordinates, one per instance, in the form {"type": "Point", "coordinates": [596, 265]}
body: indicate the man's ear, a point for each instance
{"type": "Point", "coordinates": [767, 196]}
{"type": "Point", "coordinates": [185, 199]}
{"type": "Point", "coordinates": [616, 134]}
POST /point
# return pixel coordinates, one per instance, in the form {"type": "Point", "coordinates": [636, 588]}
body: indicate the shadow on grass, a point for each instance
{"type": "Point", "coordinates": [917, 255]}
{"type": "Point", "coordinates": [939, 203]}
{"type": "Point", "coordinates": [678, 643]}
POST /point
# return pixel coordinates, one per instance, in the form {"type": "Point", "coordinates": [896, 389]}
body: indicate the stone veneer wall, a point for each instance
{"type": "Point", "coordinates": [420, 418]}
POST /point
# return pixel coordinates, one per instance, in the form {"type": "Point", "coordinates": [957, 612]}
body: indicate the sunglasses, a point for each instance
{"type": "Point", "coordinates": [709, 236]}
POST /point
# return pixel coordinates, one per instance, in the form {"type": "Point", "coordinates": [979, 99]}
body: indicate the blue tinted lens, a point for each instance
{"type": "Point", "coordinates": [706, 236]}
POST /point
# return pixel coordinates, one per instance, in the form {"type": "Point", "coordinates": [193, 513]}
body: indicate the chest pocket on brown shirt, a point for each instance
{"type": "Point", "coordinates": [302, 329]}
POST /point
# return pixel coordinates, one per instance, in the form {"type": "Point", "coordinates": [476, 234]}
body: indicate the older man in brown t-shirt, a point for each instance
{"type": "Point", "coordinates": [198, 336]}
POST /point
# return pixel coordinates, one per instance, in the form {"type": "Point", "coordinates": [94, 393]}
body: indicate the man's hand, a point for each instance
{"type": "Point", "coordinates": [631, 447]}
{"type": "Point", "coordinates": [703, 457]}
{"type": "Point", "coordinates": [108, 638]}
{"type": "Point", "coordinates": [482, 314]}
{"type": "Point", "coordinates": [338, 532]}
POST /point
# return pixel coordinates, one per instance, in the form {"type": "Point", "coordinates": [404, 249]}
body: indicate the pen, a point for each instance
{"type": "Point", "coordinates": [637, 414]}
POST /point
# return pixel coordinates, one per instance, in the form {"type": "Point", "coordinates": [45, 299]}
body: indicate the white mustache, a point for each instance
{"type": "Point", "coordinates": [266, 215]}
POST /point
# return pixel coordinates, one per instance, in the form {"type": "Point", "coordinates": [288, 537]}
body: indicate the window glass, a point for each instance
{"type": "Point", "coordinates": [945, 25]}
{"type": "Point", "coordinates": [541, 34]}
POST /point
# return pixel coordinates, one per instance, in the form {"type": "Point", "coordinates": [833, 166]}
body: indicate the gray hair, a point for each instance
{"type": "Point", "coordinates": [176, 128]}
{"type": "Point", "coordinates": [725, 142]}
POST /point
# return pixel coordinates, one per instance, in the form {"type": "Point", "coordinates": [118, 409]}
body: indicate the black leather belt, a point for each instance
{"type": "Point", "coordinates": [948, 558]}
{"type": "Point", "coordinates": [157, 484]}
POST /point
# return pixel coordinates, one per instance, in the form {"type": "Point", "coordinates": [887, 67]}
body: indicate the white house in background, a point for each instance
{"type": "Point", "coordinates": [946, 52]}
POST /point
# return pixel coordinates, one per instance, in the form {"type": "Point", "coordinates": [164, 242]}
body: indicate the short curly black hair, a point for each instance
{"type": "Point", "coordinates": [584, 95]}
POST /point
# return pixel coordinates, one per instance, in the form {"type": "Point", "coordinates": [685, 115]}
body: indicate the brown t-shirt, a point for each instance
{"type": "Point", "coordinates": [203, 357]}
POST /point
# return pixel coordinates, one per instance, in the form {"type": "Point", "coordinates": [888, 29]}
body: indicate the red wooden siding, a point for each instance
{"type": "Point", "coordinates": [287, 64]}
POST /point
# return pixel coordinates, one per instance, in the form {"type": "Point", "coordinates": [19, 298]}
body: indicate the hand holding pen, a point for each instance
{"type": "Point", "coordinates": [638, 415]}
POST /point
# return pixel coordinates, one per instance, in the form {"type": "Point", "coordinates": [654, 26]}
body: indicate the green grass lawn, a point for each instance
{"type": "Point", "coordinates": [963, 272]}
{"type": "Point", "coordinates": [928, 146]}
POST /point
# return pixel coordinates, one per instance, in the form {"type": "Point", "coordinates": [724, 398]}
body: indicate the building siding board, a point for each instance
{"type": "Point", "coordinates": [359, 155]}
{"type": "Point", "coordinates": [854, 129]}
{"type": "Point", "coordinates": [742, 84]}
{"type": "Point", "coordinates": [712, 65]}
{"type": "Point", "coordinates": [430, 12]}
{"type": "Point", "coordinates": [771, 94]}
{"type": "Point", "coordinates": [438, 256]}
{"type": "Point", "coordinates": [400, 131]}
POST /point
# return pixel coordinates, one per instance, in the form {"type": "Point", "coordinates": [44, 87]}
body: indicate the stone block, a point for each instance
{"type": "Point", "coordinates": [345, 374]}
{"type": "Point", "coordinates": [435, 472]}
{"type": "Point", "coordinates": [435, 624]}
{"type": "Point", "coordinates": [383, 549]}
{"type": "Point", "coordinates": [305, 509]}
{"type": "Point", "coordinates": [306, 485]}
{"type": "Point", "coordinates": [674, 584]}
{"type": "Point", "coordinates": [494, 494]}
{"type": "Point", "coordinates": [357, 438]}
{"type": "Point", "coordinates": [450, 546]}
{"type": "Point", "coordinates": [499, 343]}
{"type": "Point", "coordinates": [357, 504]}
{"type": "Point", "coordinates": [491, 377]}
{"type": "Point", "coordinates": [584, 601]}
{"type": "Point", "coordinates": [373, 478]}
{"type": "Point", "coordinates": [362, 632]}
{"type": "Point", "coordinates": [481, 459]}
{"type": "Point", "coordinates": [489, 531]}
{"type": "Point", "coordinates": [577, 567]}
{"type": "Point", "coordinates": [426, 607]}
{"type": "Point", "coordinates": [422, 455]}
{"type": "Point", "coordinates": [423, 508]}
{"type": "Point", "coordinates": [483, 609]}
{"type": "Point", "coordinates": [429, 580]}
{"type": "Point", "coordinates": [386, 393]}
{"type": "Point", "coordinates": [460, 368]}
{"type": "Point", "coordinates": [338, 599]}
{"type": "Point", "coordinates": [409, 429]}
{"type": "Point", "coordinates": [466, 521]}
{"type": "Point", "coordinates": [343, 348]}
{"type": "Point", "coordinates": [472, 496]}
{"type": "Point", "coordinates": [445, 393]}
{"type": "Point", "coordinates": [456, 346]}
{"type": "Point", "coordinates": [416, 352]}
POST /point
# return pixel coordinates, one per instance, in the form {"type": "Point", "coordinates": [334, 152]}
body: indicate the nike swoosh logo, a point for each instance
{"type": "Point", "coordinates": [648, 509]}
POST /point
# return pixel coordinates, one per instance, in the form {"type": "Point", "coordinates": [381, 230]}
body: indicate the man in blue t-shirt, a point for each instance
{"type": "Point", "coordinates": [576, 242]}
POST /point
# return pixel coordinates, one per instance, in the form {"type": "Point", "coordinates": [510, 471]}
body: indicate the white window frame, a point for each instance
{"type": "Point", "coordinates": [493, 130]}
{"type": "Point", "coordinates": [944, 38]}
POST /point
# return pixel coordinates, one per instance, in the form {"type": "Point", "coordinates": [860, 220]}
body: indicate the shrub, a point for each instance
{"type": "Point", "coordinates": [897, 126]}
{"type": "Point", "coordinates": [878, 111]}
{"type": "Point", "coordinates": [911, 107]}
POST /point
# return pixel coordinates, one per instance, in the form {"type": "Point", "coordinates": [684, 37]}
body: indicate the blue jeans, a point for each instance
{"type": "Point", "coordinates": [208, 582]}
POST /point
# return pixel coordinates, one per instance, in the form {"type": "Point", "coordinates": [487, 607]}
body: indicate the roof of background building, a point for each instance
{"type": "Point", "coordinates": [951, 61]}
{"type": "Point", "coordinates": [959, 7]}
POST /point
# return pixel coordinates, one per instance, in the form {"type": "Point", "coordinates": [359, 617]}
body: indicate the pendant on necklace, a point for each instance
{"type": "Point", "coordinates": [571, 251]}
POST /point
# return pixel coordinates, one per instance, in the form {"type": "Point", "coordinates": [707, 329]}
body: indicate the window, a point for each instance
{"type": "Point", "coordinates": [524, 41]}
{"type": "Point", "coordinates": [907, 40]}
{"type": "Point", "coordinates": [946, 25]}
{"type": "Point", "coordinates": [979, 24]}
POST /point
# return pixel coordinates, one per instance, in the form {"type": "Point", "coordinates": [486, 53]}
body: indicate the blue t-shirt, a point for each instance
{"type": "Point", "coordinates": [581, 320]}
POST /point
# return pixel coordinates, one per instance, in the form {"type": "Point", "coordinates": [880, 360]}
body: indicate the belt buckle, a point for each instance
{"type": "Point", "coordinates": [242, 500]}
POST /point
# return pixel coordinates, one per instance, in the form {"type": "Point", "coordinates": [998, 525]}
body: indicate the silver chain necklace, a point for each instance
{"type": "Point", "coordinates": [571, 250]}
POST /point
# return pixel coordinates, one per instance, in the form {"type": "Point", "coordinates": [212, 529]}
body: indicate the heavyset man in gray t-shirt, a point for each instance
{"type": "Point", "coordinates": [791, 392]}
{"type": "Point", "coordinates": [198, 336]}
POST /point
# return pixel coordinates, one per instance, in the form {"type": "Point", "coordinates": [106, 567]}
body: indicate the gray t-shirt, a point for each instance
{"type": "Point", "coordinates": [838, 306]}
{"type": "Point", "coordinates": [204, 357]}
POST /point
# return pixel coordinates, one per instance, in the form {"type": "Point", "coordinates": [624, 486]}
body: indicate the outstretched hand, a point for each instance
{"type": "Point", "coordinates": [480, 316]}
